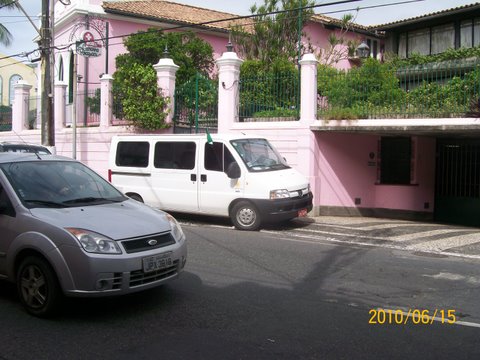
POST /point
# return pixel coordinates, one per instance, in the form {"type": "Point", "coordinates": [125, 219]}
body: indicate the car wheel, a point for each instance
{"type": "Point", "coordinates": [38, 287]}
{"type": "Point", "coordinates": [245, 216]}
{"type": "Point", "coordinates": [135, 197]}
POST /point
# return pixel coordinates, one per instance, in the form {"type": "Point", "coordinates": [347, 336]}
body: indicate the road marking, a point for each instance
{"type": "Point", "coordinates": [329, 236]}
{"type": "Point", "coordinates": [455, 277]}
{"type": "Point", "coordinates": [448, 243]}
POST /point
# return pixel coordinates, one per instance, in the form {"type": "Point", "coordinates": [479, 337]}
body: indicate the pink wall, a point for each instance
{"type": "Point", "coordinates": [347, 172]}
{"type": "Point", "coordinates": [318, 37]}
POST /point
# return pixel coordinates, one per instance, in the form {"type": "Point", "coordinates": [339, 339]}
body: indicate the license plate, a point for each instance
{"type": "Point", "coordinates": [302, 212]}
{"type": "Point", "coordinates": [157, 262]}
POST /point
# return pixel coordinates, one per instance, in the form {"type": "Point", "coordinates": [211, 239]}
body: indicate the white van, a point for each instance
{"type": "Point", "coordinates": [232, 175]}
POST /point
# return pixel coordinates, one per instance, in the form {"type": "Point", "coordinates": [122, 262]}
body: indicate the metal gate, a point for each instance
{"type": "Point", "coordinates": [457, 193]}
{"type": "Point", "coordinates": [196, 106]}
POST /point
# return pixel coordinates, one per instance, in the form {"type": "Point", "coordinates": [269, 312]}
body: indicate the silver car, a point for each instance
{"type": "Point", "coordinates": [64, 230]}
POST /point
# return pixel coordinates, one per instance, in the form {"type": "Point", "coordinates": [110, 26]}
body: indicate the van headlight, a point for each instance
{"type": "Point", "coordinates": [177, 231]}
{"type": "Point", "coordinates": [279, 194]}
{"type": "Point", "coordinates": [95, 243]}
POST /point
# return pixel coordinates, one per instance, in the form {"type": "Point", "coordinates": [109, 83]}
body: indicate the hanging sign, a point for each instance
{"type": "Point", "coordinates": [88, 47]}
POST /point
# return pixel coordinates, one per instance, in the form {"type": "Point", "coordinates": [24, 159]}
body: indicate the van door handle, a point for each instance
{"type": "Point", "coordinates": [203, 178]}
{"type": "Point", "coordinates": [193, 177]}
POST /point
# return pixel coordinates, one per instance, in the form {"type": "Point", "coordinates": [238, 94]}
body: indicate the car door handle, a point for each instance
{"type": "Point", "coordinates": [203, 178]}
{"type": "Point", "coordinates": [193, 177]}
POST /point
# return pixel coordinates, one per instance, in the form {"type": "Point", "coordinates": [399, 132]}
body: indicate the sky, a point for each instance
{"type": "Point", "coordinates": [24, 33]}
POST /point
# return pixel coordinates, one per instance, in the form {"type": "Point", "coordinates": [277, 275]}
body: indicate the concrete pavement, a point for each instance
{"type": "Point", "coordinates": [428, 237]}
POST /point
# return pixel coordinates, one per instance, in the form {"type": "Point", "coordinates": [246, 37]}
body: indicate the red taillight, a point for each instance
{"type": "Point", "coordinates": [110, 175]}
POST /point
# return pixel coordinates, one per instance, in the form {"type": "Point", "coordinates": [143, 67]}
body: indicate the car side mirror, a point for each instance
{"type": "Point", "coordinates": [233, 170]}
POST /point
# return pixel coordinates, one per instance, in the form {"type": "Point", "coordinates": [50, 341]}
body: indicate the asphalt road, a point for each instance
{"type": "Point", "coordinates": [264, 295]}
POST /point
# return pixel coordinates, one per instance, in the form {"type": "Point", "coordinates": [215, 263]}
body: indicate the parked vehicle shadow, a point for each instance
{"type": "Point", "coordinates": [224, 221]}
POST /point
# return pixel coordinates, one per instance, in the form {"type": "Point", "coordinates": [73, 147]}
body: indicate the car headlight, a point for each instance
{"type": "Point", "coordinates": [279, 194]}
{"type": "Point", "coordinates": [177, 231]}
{"type": "Point", "coordinates": [95, 243]}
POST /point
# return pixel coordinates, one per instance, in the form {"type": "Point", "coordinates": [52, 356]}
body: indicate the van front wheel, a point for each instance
{"type": "Point", "coordinates": [245, 216]}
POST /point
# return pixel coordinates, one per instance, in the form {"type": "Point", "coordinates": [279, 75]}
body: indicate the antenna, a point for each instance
{"type": "Point", "coordinates": [35, 151]}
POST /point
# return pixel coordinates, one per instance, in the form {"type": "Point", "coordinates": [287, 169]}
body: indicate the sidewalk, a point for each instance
{"type": "Point", "coordinates": [416, 236]}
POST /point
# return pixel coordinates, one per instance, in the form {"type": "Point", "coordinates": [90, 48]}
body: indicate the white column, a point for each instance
{"type": "Point", "coordinates": [20, 106]}
{"type": "Point", "coordinates": [308, 92]}
{"type": "Point", "coordinates": [228, 90]}
{"type": "Point", "coordinates": [60, 104]}
{"type": "Point", "coordinates": [106, 100]}
{"type": "Point", "coordinates": [166, 70]}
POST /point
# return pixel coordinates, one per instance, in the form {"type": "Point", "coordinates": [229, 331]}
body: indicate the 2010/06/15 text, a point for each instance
{"type": "Point", "coordinates": [413, 316]}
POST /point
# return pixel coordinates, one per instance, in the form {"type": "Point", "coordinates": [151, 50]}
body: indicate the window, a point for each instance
{"type": "Point", "coordinates": [174, 155]}
{"type": "Point", "coordinates": [217, 157]}
{"type": "Point", "coordinates": [402, 46]}
{"type": "Point", "coordinates": [11, 90]}
{"type": "Point", "coordinates": [443, 38]}
{"type": "Point", "coordinates": [395, 160]}
{"type": "Point", "coordinates": [71, 83]}
{"type": "Point", "coordinates": [60, 69]}
{"type": "Point", "coordinates": [419, 42]}
{"type": "Point", "coordinates": [5, 204]}
{"type": "Point", "coordinates": [476, 32]}
{"type": "Point", "coordinates": [132, 154]}
{"type": "Point", "coordinates": [466, 34]}
{"type": "Point", "coordinates": [1, 90]}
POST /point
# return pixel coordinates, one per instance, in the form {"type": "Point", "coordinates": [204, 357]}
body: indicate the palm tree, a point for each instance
{"type": "Point", "coordinates": [5, 35]}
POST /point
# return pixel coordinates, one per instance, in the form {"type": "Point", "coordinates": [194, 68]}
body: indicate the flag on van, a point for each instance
{"type": "Point", "coordinates": [209, 137]}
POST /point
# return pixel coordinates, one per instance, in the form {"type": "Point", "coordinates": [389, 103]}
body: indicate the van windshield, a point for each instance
{"type": "Point", "coordinates": [58, 184]}
{"type": "Point", "coordinates": [259, 155]}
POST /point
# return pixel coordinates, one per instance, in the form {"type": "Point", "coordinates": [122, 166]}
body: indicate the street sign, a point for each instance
{"type": "Point", "coordinates": [88, 47]}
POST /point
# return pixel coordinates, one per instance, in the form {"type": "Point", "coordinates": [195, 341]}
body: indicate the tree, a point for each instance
{"type": "Point", "coordinates": [142, 102]}
{"type": "Point", "coordinates": [135, 78]}
{"type": "Point", "coordinates": [5, 35]}
{"type": "Point", "coordinates": [187, 50]}
{"type": "Point", "coordinates": [272, 36]}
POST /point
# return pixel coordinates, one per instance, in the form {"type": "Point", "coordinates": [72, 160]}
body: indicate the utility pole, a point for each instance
{"type": "Point", "coordinates": [46, 55]}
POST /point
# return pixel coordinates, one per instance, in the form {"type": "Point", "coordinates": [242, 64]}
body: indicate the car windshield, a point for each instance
{"type": "Point", "coordinates": [58, 184]}
{"type": "Point", "coordinates": [259, 155]}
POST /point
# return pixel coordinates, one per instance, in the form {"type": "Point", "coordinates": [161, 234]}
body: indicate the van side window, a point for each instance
{"type": "Point", "coordinates": [217, 157]}
{"type": "Point", "coordinates": [174, 155]}
{"type": "Point", "coordinates": [132, 154]}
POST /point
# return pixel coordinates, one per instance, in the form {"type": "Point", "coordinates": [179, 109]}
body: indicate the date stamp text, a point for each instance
{"type": "Point", "coordinates": [412, 316]}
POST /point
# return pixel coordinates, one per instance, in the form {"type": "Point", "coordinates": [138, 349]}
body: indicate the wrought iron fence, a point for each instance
{"type": "Point", "coordinates": [5, 118]}
{"type": "Point", "coordinates": [196, 106]}
{"type": "Point", "coordinates": [34, 106]}
{"type": "Point", "coordinates": [117, 109]}
{"type": "Point", "coordinates": [88, 108]}
{"type": "Point", "coordinates": [270, 97]}
{"type": "Point", "coordinates": [445, 89]}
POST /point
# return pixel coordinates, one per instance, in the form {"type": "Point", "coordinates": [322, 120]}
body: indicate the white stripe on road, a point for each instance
{"type": "Point", "coordinates": [328, 236]}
